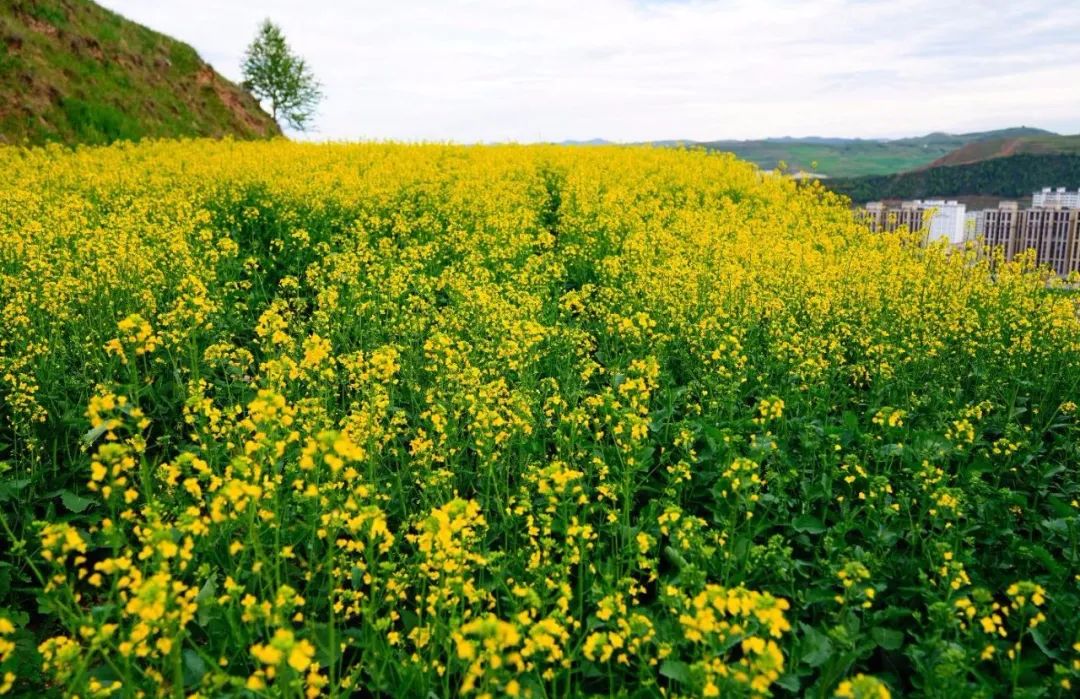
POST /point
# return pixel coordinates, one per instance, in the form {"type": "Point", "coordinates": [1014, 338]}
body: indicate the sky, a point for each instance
{"type": "Point", "coordinates": [635, 70]}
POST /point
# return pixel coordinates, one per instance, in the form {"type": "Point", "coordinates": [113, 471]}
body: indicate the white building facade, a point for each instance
{"type": "Point", "coordinates": [948, 219]}
{"type": "Point", "coordinates": [1059, 198]}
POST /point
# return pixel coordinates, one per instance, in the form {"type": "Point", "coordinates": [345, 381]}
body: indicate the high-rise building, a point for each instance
{"type": "Point", "coordinates": [1056, 197]}
{"type": "Point", "coordinates": [1051, 233]}
{"type": "Point", "coordinates": [874, 215]}
{"type": "Point", "coordinates": [998, 227]}
{"type": "Point", "coordinates": [947, 221]}
{"type": "Point", "coordinates": [973, 221]}
{"type": "Point", "coordinates": [939, 219]}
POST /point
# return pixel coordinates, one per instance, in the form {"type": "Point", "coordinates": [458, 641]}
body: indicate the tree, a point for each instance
{"type": "Point", "coordinates": [274, 73]}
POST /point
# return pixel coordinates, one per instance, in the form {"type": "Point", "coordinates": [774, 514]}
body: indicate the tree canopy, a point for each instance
{"type": "Point", "coordinates": [273, 72]}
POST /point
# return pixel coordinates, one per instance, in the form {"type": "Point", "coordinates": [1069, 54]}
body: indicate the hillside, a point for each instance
{"type": "Point", "coordinates": [1043, 144]}
{"type": "Point", "coordinates": [1006, 176]}
{"type": "Point", "coordinates": [840, 157]}
{"type": "Point", "coordinates": [72, 71]}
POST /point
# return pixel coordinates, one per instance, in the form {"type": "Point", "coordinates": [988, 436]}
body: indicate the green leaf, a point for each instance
{"type": "Point", "coordinates": [790, 682]}
{"type": "Point", "coordinates": [816, 646]}
{"type": "Point", "coordinates": [808, 524]}
{"type": "Point", "coordinates": [19, 618]}
{"type": "Point", "coordinates": [206, 594]}
{"type": "Point", "coordinates": [888, 639]}
{"type": "Point", "coordinates": [1061, 507]}
{"type": "Point", "coordinates": [1040, 641]}
{"type": "Point", "coordinates": [208, 590]}
{"type": "Point", "coordinates": [92, 435]}
{"type": "Point", "coordinates": [1044, 556]}
{"type": "Point", "coordinates": [891, 450]}
{"type": "Point", "coordinates": [75, 503]}
{"type": "Point", "coordinates": [8, 488]}
{"type": "Point", "coordinates": [327, 642]}
{"type": "Point", "coordinates": [676, 670]}
{"type": "Point", "coordinates": [194, 668]}
{"type": "Point", "coordinates": [676, 558]}
{"type": "Point", "coordinates": [1058, 526]}
{"type": "Point", "coordinates": [819, 594]}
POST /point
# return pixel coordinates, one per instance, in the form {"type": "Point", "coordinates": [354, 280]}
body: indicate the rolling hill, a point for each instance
{"type": "Point", "coordinates": [1012, 165]}
{"type": "Point", "coordinates": [1005, 176]}
{"type": "Point", "coordinates": [843, 157]}
{"type": "Point", "coordinates": [1042, 144]}
{"type": "Point", "coordinates": [73, 72]}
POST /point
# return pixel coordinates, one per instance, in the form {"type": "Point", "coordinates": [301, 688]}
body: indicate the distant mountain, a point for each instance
{"type": "Point", "coordinates": [72, 71]}
{"type": "Point", "coordinates": [832, 157]}
{"type": "Point", "coordinates": [1006, 176]}
{"type": "Point", "coordinates": [939, 138]}
{"type": "Point", "coordinates": [852, 157]}
{"type": "Point", "coordinates": [590, 142]}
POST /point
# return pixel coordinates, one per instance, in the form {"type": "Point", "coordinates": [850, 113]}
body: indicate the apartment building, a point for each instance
{"type": "Point", "coordinates": [973, 221]}
{"type": "Point", "coordinates": [1051, 233]}
{"type": "Point", "coordinates": [874, 215]}
{"type": "Point", "coordinates": [940, 219]}
{"type": "Point", "coordinates": [1056, 197]}
{"type": "Point", "coordinates": [1051, 230]}
{"type": "Point", "coordinates": [997, 227]}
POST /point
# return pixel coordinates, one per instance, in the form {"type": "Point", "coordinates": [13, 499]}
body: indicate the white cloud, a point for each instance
{"type": "Point", "coordinates": [481, 70]}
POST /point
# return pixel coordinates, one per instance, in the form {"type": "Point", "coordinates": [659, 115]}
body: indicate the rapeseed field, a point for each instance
{"type": "Point", "coordinates": [283, 420]}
